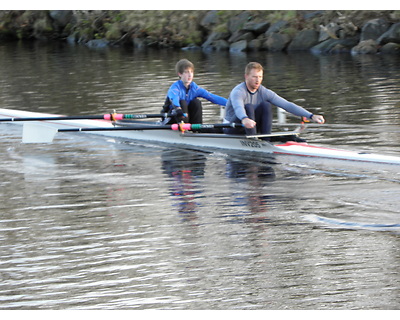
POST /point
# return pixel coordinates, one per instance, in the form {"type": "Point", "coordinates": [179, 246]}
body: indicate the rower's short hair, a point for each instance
{"type": "Point", "coordinates": [182, 65]}
{"type": "Point", "coordinates": [253, 65]}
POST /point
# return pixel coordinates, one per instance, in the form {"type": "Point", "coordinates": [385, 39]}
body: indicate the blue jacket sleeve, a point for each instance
{"type": "Point", "coordinates": [174, 94]}
{"type": "Point", "coordinates": [211, 97]}
{"type": "Point", "coordinates": [178, 92]}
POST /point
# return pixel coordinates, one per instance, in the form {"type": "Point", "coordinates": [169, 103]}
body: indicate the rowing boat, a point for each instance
{"type": "Point", "coordinates": [35, 131]}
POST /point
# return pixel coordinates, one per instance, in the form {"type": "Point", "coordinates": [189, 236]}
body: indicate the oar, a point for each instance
{"type": "Point", "coordinates": [296, 132]}
{"type": "Point", "coordinates": [36, 133]}
{"type": "Point", "coordinates": [110, 116]}
{"type": "Point", "coordinates": [175, 126]}
{"type": "Point", "coordinates": [275, 134]}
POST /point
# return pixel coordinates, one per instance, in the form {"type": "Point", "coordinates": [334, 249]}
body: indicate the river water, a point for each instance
{"type": "Point", "coordinates": [94, 223]}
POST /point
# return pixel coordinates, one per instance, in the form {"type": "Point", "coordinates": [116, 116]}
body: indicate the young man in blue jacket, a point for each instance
{"type": "Point", "coordinates": [182, 96]}
{"type": "Point", "coordinates": [250, 102]}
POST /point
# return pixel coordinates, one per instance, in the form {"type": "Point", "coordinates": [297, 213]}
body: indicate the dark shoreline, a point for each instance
{"type": "Point", "coordinates": [357, 32]}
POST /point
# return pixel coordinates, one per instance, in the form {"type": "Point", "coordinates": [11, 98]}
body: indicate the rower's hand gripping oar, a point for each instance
{"type": "Point", "coordinates": [42, 133]}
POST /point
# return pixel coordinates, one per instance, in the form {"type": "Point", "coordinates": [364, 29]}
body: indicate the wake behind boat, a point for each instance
{"type": "Point", "coordinates": [42, 128]}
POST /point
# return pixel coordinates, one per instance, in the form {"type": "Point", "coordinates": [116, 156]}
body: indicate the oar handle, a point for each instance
{"type": "Point", "coordinates": [216, 125]}
{"type": "Point", "coordinates": [122, 116]}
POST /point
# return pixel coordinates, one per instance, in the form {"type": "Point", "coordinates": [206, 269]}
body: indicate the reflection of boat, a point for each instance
{"type": "Point", "coordinates": [153, 133]}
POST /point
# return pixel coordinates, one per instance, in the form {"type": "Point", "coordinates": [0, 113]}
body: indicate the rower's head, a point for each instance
{"type": "Point", "coordinates": [253, 65]}
{"type": "Point", "coordinates": [185, 70]}
{"type": "Point", "coordinates": [253, 74]}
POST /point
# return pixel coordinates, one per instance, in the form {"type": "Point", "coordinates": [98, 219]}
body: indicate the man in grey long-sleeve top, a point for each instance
{"type": "Point", "coordinates": [250, 104]}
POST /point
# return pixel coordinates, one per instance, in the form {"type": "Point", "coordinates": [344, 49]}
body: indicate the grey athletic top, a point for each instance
{"type": "Point", "coordinates": [240, 96]}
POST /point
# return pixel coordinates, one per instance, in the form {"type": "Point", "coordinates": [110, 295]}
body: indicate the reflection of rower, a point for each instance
{"type": "Point", "coordinates": [256, 176]}
{"type": "Point", "coordinates": [239, 169]}
{"type": "Point", "coordinates": [184, 167]}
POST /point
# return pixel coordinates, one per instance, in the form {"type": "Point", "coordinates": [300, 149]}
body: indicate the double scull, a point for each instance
{"type": "Point", "coordinates": [45, 130]}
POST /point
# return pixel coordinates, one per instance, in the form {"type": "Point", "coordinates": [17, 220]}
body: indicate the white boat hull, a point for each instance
{"type": "Point", "coordinates": [208, 141]}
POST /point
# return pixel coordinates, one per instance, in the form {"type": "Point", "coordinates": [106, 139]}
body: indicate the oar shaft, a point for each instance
{"type": "Point", "coordinates": [51, 118]}
{"type": "Point", "coordinates": [110, 116]}
{"type": "Point", "coordinates": [113, 129]}
{"type": "Point", "coordinates": [177, 127]}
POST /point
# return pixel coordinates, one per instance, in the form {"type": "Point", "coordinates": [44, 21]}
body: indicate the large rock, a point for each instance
{"type": "Point", "coordinates": [213, 37]}
{"type": "Point", "coordinates": [392, 35]}
{"type": "Point", "coordinates": [221, 45]}
{"type": "Point", "coordinates": [61, 17]}
{"type": "Point", "coordinates": [335, 46]}
{"type": "Point", "coordinates": [239, 46]}
{"type": "Point", "coordinates": [97, 43]}
{"type": "Point", "coordinates": [255, 45]}
{"type": "Point", "coordinates": [373, 29]}
{"type": "Point", "coordinates": [393, 48]}
{"type": "Point", "coordinates": [42, 27]}
{"type": "Point", "coordinates": [304, 40]}
{"type": "Point", "coordinates": [277, 42]}
{"type": "Point", "coordinates": [236, 23]}
{"type": "Point", "coordinates": [365, 47]}
{"type": "Point", "coordinates": [276, 27]}
{"type": "Point", "coordinates": [330, 31]}
{"type": "Point", "coordinates": [241, 35]}
{"type": "Point", "coordinates": [256, 27]}
{"type": "Point", "coordinates": [210, 20]}
{"type": "Point", "coordinates": [73, 38]}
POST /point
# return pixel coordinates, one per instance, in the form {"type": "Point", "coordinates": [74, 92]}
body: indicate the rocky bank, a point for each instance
{"type": "Point", "coordinates": [325, 32]}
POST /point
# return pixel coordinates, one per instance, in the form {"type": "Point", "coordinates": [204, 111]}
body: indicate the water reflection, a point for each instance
{"type": "Point", "coordinates": [251, 178]}
{"type": "Point", "coordinates": [186, 171]}
{"type": "Point", "coordinates": [184, 168]}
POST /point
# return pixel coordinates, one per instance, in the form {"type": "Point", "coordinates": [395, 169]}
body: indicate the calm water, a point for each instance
{"type": "Point", "coordinates": [93, 223]}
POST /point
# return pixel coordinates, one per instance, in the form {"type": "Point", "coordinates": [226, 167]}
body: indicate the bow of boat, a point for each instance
{"type": "Point", "coordinates": [304, 149]}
